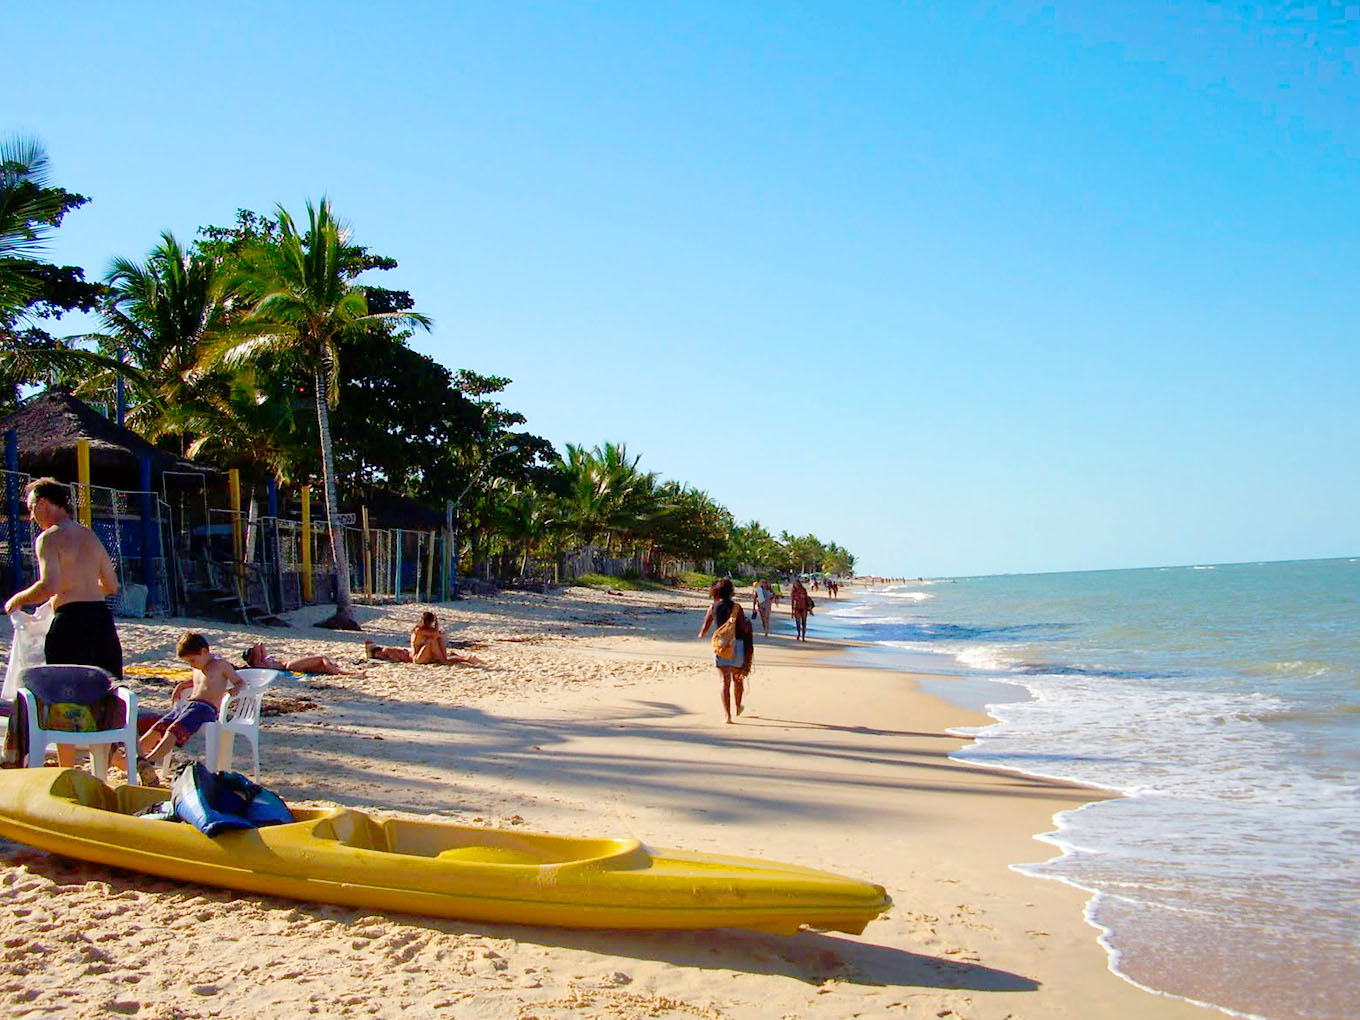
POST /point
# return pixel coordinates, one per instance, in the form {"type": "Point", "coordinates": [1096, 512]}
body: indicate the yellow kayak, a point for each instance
{"type": "Point", "coordinates": [340, 856]}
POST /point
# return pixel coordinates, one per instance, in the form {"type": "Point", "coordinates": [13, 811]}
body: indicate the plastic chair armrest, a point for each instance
{"type": "Point", "coordinates": [129, 699]}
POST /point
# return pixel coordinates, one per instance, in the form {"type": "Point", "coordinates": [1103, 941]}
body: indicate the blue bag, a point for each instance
{"type": "Point", "coordinates": [219, 802]}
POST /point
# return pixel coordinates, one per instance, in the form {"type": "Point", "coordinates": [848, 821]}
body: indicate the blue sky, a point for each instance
{"type": "Point", "coordinates": [968, 288]}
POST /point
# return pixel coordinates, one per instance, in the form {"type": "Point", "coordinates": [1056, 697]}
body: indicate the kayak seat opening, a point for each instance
{"type": "Point", "coordinates": [84, 789]}
{"type": "Point", "coordinates": [130, 800]}
{"type": "Point", "coordinates": [463, 843]}
{"type": "Point", "coordinates": [351, 828]}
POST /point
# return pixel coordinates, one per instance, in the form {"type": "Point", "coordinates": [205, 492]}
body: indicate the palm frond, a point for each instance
{"type": "Point", "coordinates": [235, 350]}
{"type": "Point", "coordinates": [28, 203]}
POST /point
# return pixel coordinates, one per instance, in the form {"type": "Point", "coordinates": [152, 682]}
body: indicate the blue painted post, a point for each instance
{"type": "Point", "coordinates": [12, 511]}
{"type": "Point", "coordinates": [150, 533]}
{"type": "Point", "coordinates": [120, 400]}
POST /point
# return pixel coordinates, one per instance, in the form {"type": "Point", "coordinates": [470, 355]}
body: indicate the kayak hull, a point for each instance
{"type": "Point", "coordinates": [433, 868]}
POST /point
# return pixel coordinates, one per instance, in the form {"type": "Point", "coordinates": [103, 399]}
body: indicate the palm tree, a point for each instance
{"type": "Point", "coordinates": [161, 316]}
{"type": "Point", "coordinates": [686, 524]}
{"type": "Point", "coordinates": [239, 426]}
{"type": "Point", "coordinates": [29, 208]}
{"type": "Point", "coordinates": [751, 546]}
{"type": "Point", "coordinates": [302, 300]}
{"type": "Point", "coordinates": [605, 493]}
{"type": "Point", "coordinates": [518, 519]}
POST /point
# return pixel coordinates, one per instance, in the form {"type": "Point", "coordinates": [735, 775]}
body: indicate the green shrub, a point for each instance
{"type": "Point", "coordinates": [605, 581]}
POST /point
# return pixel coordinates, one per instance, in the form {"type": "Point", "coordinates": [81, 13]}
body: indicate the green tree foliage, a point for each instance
{"type": "Point", "coordinates": [259, 348]}
{"type": "Point", "coordinates": [238, 426]}
{"type": "Point", "coordinates": [479, 440]}
{"type": "Point", "coordinates": [157, 317]}
{"type": "Point", "coordinates": [604, 493]}
{"type": "Point", "coordinates": [751, 547]}
{"type": "Point", "coordinates": [31, 288]}
{"type": "Point", "coordinates": [398, 414]}
{"type": "Point", "coordinates": [302, 300]}
{"type": "Point", "coordinates": [691, 525]}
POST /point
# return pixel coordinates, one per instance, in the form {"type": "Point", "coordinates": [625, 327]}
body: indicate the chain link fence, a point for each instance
{"type": "Point", "coordinates": [176, 554]}
{"type": "Point", "coordinates": [394, 564]}
{"type": "Point", "coordinates": [133, 526]}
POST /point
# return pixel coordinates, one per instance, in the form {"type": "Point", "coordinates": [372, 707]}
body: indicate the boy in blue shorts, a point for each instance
{"type": "Point", "coordinates": [213, 678]}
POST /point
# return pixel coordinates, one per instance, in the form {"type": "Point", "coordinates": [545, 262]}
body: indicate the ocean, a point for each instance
{"type": "Point", "coordinates": [1222, 701]}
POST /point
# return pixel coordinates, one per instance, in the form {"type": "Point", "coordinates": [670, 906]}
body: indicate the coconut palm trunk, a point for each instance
{"type": "Point", "coordinates": [302, 303]}
{"type": "Point", "coordinates": [344, 598]}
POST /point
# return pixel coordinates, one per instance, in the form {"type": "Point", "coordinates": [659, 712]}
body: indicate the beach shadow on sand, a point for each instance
{"type": "Point", "coordinates": [673, 762]}
{"type": "Point", "coordinates": [812, 957]}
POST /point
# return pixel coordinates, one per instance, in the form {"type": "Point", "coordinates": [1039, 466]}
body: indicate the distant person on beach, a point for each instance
{"type": "Point", "coordinates": [801, 605]}
{"type": "Point", "coordinates": [258, 657]}
{"type": "Point", "coordinates": [75, 573]}
{"type": "Point", "coordinates": [733, 645]}
{"type": "Point", "coordinates": [427, 646]}
{"type": "Point", "coordinates": [762, 600]}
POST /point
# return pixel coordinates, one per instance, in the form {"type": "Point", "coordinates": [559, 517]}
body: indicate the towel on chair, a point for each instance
{"type": "Point", "coordinates": [76, 699]}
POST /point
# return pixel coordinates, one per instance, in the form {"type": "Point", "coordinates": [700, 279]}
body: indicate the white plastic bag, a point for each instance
{"type": "Point", "coordinates": [28, 647]}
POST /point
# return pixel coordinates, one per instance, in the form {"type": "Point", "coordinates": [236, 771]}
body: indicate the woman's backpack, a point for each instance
{"type": "Point", "coordinates": [725, 637]}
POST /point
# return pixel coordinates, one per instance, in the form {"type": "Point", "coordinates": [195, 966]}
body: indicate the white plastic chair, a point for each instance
{"type": "Point", "coordinates": [240, 713]}
{"type": "Point", "coordinates": [98, 741]}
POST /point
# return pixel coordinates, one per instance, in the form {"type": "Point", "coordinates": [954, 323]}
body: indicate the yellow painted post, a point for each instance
{"type": "Point", "coordinates": [237, 539]}
{"type": "Point", "coordinates": [84, 511]}
{"type": "Point", "coordinates": [306, 543]}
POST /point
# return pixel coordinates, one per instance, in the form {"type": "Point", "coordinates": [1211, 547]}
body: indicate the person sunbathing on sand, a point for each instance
{"type": "Point", "coordinates": [258, 657]}
{"type": "Point", "coordinates": [427, 646]}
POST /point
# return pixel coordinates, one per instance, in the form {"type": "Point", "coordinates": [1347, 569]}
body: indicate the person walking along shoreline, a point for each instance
{"type": "Point", "coordinates": [733, 644]}
{"type": "Point", "coordinates": [801, 604]}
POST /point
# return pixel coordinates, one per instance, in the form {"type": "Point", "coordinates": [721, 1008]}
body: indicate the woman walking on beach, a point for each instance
{"type": "Point", "coordinates": [801, 604]}
{"type": "Point", "coordinates": [761, 601]}
{"type": "Point", "coordinates": [733, 643]}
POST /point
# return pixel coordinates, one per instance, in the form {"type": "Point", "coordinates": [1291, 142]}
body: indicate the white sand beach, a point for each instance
{"type": "Point", "coordinates": [597, 715]}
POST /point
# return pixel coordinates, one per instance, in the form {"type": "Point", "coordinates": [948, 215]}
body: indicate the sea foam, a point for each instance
{"type": "Point", "coordinates": [1222, 709]}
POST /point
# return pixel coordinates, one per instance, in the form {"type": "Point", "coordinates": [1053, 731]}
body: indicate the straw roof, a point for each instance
{"type": "Point", "coordinates": [48, 425]}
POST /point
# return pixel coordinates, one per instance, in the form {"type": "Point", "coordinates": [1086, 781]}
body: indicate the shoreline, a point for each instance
{"type": "Point", "coordinates": [599, 715]}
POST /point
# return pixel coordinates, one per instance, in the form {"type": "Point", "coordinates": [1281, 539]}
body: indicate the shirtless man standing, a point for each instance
{"type": "Point", "coordinates": [75, 572]}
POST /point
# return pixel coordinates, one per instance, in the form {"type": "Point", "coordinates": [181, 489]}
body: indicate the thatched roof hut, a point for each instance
{"type": "Point", "coordinates": [48, 425]}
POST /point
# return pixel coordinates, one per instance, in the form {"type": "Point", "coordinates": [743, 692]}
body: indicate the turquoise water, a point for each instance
{"type": "Point", "coordinates": [1222, 701]}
